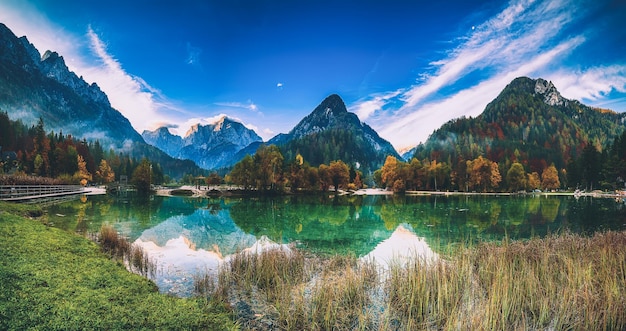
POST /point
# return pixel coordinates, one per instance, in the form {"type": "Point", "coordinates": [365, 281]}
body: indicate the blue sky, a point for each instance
{"type": "Point", "coordinates": [405, 67]}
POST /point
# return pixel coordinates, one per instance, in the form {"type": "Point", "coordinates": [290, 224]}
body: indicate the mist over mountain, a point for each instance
{"type": "Point", "coordinates": [34, 86]}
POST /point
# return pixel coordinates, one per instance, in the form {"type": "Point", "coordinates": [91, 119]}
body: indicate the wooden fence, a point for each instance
{"type": "Point", "coordinates": [19, 193]}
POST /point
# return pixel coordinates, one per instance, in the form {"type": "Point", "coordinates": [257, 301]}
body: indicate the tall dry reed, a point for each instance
{"type": "Point", "coordinates": [117, 246]}
{"type": "Point", "coordinates": [562, 282]}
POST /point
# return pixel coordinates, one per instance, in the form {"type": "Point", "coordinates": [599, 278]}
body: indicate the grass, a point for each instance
{"type": "Point", "coordinates": [54, 280]}
{"type": "Point", "coordinates": [562, 282]}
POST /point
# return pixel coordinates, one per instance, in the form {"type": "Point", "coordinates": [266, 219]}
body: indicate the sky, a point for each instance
{"type": "Point", "coordinates": [404, 67]}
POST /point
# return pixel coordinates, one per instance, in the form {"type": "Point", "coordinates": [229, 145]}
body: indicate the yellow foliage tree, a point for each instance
{"type": "Point", "coordinates": [483, 174]}
{"type": "Point", "coordinates": [550, 178]}
{"type": "Point", "coordinates": [82, 172]}
{"type": "Point", "coordinates": [105, 174]}
{"type": "Point", "coordinates": [533, 181]}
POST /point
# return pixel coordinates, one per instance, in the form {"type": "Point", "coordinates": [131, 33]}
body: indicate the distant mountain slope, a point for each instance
{"type": "Point", "coordinates": [529, 122]}
{"type": "Point", "coordinates": [211, 146]}
{"type": "Point", "coordinates": [331, 133]}
{"type": "Point", "coordinates": [34, 86]}
{"type": "Point", "coordinates": [162, 139]}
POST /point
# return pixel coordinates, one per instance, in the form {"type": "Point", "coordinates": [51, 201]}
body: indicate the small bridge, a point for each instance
{"type": "Point", "coordinates": [25, 193]}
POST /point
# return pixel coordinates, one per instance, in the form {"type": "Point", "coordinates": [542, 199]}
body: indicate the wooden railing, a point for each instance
{"type": "Point", "coordinates": [29, 192]}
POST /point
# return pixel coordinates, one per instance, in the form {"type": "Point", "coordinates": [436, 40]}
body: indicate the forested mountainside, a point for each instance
{"type": "Point", "coordinates": [332, 133]}
{"type": "Point", "coordinates": [529, 122]}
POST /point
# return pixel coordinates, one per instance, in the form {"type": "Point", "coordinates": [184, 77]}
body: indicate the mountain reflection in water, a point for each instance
{"type": "Point", "coordinates": [401, 247]}
{"type": "Point", "coordinates": [178, 261]}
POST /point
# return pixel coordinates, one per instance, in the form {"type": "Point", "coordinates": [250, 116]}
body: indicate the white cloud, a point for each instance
{"type": "Point", "coordinates": [365, 109]}
{"type": "Point", "coordinates": [466, 102]}
{"type": "Point", "coordinates": [525, 39]}
{"type": "Point", "coordinates": [415, 127]}
{"type": "Point", "coordinates": [127, 93]}
{"type": "Point", "coordinates": [592, 84]}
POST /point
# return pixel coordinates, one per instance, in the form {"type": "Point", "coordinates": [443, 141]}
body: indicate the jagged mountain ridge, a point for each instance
{"type": "Point", "coordinates": [34, 86]}
{"type": "Point", "coordinates": [331, 133]}
{"type": "Point", "coordinates": [211, 146]}
{"type": "Point", "coordinates": [529, 122]}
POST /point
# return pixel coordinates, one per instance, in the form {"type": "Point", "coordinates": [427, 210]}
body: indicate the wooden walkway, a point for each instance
{"type": "Point", "coordinates": [25, 193]}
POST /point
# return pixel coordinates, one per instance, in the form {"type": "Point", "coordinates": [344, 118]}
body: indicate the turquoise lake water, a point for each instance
{"type": "Point", "coordinates": [186, 236]}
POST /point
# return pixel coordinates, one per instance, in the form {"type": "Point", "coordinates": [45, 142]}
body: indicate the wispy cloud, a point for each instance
{"type": "Point", "coordinates": [467, 102]}
{"type": "Point", "coordinates": [251, 106]}
{"type": "Point", "coordinates": [87, 56]}
{"type": "Point", "coordinates": [592, 84]}
{"type": "Point", "coordinates": [526, 38]}
{"type": "Point", "coordinates": [374, 104]}
{"type": "Point", "coordinates": [193, 55]}
{"type": "Point", "coordinates": [127, 93]}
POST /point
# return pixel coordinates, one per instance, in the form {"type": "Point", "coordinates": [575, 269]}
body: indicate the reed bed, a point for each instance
{"type": "Point", "coordinates": [117, 246]}
{"type": "Point", "coordinates": [562, 282]}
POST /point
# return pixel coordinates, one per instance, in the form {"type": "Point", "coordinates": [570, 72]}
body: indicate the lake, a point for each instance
{"type": "Point", "coordinates": [186, 236]}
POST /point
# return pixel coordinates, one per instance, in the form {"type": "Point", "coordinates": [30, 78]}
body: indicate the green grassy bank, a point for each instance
{"type": "Point", "coordinates": [54, 280]}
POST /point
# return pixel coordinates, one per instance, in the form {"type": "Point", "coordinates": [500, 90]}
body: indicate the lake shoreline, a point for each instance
{"type": "Point", "coordinates": [211, 191]}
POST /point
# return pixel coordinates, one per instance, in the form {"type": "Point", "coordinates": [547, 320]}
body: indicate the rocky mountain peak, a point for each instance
{"type": "Point", "coordinates": [33, 53]}
{"type": "Point", "coordinates": [330, 113]}
{"type": "Point", "coordinates": [53, 66]}
{"type": "Point", "coordinates": [550, 94]}
{"type": "Point", "coordinates": [224, 122]}
{"type": "Point", "coordinates": [211, 146]}
{"type": "Point", "coordinates": [331, 106]}
{"type": "Point", "coordinates": [330, 123]}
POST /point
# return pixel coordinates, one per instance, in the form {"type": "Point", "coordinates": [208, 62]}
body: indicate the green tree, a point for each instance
{"type": "Point", "coordinates": [439, 172]}
{"type": "Point", "coordinates": [415, 175]}
{"type": "Point", "coordinates": [141, 177]}
{"type": "Point", "coordinates": [516, 177]}
{"type": "Point", "coordinates": [268, 165]}
{"type": "Point", "coordinates": [242, 173]}
{"type": "Point", "coordinates": [41, 148]}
